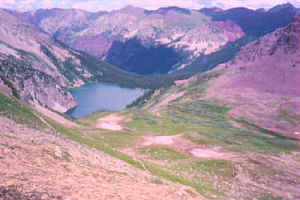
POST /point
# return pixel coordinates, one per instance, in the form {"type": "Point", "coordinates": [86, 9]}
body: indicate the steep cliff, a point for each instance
{"type": "Point", "coordinates": [33, 63]}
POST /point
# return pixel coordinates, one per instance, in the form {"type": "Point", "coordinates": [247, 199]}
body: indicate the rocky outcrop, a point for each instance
{"type": "Point", "coordinates": [32, 62]}
{"type": "Point", "coordinates": [254, 23]}
{"type": "Point", "coordinates": [35, 85]}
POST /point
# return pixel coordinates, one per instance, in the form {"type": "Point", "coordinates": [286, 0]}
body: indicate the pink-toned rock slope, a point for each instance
{"type": "Point", "coordinates": [263, 81]}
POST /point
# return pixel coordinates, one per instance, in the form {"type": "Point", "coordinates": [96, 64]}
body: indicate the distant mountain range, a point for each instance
{"type": "Point", "coordinates": [147, 42]}
{"type": "Point", "coordinates": [44, 52]}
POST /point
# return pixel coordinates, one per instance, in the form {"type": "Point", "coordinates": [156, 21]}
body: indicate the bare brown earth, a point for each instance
{"type": "Point", "coordinates": [181, 82]}
{"type": "Point", "coordinates": [181, 143]}
{"type": "Point", "coordinates": [34, 165]}
{"type": "Point", "coordinates": [277, 175]}
{"type": "Point", "coordinates": [111, 122]}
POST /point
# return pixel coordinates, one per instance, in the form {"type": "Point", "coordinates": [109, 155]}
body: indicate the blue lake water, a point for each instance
{"type": "Point", "coordinates": [93, 97]}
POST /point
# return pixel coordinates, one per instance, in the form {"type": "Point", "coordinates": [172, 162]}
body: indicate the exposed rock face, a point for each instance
{"type": "Point", "coordinates": [231, 29]}
{"type": "Point", "coordinates": [35, 86]}
{"type": "Point", "coordinates": [264, 81]}
{"type": "Point", "coordinates": [33, 71]}
{"type": "Point", "coordinates": [38, 68]}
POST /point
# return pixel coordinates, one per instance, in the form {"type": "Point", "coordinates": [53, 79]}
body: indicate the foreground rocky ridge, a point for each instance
{"type": "Point", "coordinates": [35, 165]}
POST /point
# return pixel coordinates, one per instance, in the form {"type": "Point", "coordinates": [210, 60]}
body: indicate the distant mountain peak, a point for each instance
{"type": "Point", "coordinates": [281, 7]}
{"type": "Point", "coordinates": [131, 9]}
{"type": "Point", "coordinates": [261, 10]}
{"type": "Point", "coordinates": [164, 10]}
{"type": "Point", "coordinates": [129, 6]}
{"type": "Point", "coordinates": [212, 9]}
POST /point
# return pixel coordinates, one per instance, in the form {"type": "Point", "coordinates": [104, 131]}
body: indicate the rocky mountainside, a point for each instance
{"type": "Point", "coordinates": [182, 33]}
{"type": "Point", "coordinates": [30, 61]}
{"type": "Point", "coordinates": [263, 81]}
{"type": "Point", "coordinates": [158, 41]}
{"type": "Point", "coordinates": [39, 69]}
{"type": "Point", "coordinates": [255, 23]}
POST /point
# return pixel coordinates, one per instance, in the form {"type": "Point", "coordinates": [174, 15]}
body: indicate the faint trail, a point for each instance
{"type": "Point", "coordinates": [165, 102]}
{"type": "Point", "coordinates": [54, 116]}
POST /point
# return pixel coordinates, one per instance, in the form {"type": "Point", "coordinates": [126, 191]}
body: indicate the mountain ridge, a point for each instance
{"type": "Point", "coordinates": [177, 29]}
{"type": "Point", "coordinates": [170, 28]}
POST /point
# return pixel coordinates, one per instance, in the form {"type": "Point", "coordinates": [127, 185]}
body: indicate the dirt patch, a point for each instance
{"type": "Point", "coordinates": [54, 116]}
{"type": "Point", "coordinates": [206, 153]}
{"type": "Point", "coordinates": [165, 102]}
{"type": "Point", "coordinates": [159, 140]}
{"type": "Point", "coordinates": [111, 122]}
{"type": "Point", "coordinates": [182, 82]}
{"type": "Point", "coordinates": [181, 143]}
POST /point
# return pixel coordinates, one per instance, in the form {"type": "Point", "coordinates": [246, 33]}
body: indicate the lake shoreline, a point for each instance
{"type": "Point", "coordinates": [93, 97]}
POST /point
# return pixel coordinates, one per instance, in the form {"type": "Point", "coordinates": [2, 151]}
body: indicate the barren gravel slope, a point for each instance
{"type": "Point", "coordinates": [35, 165]}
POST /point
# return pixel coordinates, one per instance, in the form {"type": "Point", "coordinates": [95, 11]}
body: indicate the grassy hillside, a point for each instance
{"type": "Point", "coordinates": [207, 152]}
{"type": "Point", "coordinates": [19, 112]}
{"type": "Point", "coordinates": [189, 126]}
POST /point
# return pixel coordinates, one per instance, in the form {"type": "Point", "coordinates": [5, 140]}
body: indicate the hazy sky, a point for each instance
{"type": "Point", "coordinates": [96, 5]}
